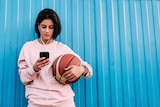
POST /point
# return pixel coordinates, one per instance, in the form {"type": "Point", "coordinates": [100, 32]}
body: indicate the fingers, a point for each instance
{"type": "Point", "coordinates": [73, 79]}
{"type": "Point", "coordinates": [68, 68]}
{"type": "Point", "coordinates": [44, 61]}
{"type": "Point", "coordinates": [70, 73]}
{"type": "Point", "coordinates": [70, 76]}
{"type": "Point", "coordinates": [40, 63]}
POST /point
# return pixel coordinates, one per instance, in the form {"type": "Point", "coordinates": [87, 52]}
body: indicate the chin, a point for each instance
{"type": "Point", "coordinates": [47, 38]}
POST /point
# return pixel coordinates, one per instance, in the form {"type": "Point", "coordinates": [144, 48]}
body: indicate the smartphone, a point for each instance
{"type": "Point", "coordinates": [44, 54]}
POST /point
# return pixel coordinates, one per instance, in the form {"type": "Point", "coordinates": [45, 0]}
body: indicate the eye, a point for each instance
{"type": "Point", "coordinates": [51, 27]}
{"type": "Point", "coordinates": [43, 27]}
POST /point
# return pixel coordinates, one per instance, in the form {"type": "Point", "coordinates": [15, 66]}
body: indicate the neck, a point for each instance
{"type": "Point", "coordinates": [44, 42]}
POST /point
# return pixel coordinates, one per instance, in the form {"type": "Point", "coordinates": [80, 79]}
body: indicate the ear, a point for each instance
{"type": "Point", "coordinates": [38, 26]}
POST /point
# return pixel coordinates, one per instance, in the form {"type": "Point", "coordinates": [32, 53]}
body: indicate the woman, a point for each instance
{"type": "Point", "coordinates": [42, 89]}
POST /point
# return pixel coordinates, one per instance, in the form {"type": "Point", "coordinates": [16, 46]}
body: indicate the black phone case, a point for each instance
{"type": "Point", "coordinates": [44, 54]}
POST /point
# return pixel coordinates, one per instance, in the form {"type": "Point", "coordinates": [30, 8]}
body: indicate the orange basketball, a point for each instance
{"type": "Point", "coordinates": [62, 62]}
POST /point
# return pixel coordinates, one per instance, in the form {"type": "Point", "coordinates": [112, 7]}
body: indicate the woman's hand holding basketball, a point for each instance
{"type": "Point", "coordinates": [73, 72]}
{"type": "Point", "coordinates": [40, 63]}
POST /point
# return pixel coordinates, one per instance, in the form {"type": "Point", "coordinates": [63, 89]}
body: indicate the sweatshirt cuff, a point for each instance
{"type": "Point", "coordinates": [31, 71]}
{"type": "Point", "coordinates": [88, 69]}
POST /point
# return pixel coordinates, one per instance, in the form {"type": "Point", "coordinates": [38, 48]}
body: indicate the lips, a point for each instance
{"type": "Point", "coordinates": [46, 35]}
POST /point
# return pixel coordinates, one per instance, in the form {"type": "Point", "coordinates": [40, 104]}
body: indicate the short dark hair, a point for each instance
{"type": "Point", "coordinates": [49, 14]}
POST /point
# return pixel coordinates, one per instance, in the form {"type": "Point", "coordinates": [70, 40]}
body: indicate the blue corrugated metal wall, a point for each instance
{"type": "Point", "coordinates": [119, 38]}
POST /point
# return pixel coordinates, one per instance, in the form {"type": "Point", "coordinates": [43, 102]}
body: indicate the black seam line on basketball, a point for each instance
{"type": "Point", "coordinates": [70, 61]}
{"type": "Point", "coordinates": [59, 68]}
{"type": "Point", "coordinates": [67, 64]}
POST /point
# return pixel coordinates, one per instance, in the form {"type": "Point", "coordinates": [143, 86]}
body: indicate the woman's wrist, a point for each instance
{"type": "Point", "coordinates": [35, 69]}
{"type": "Point", "coordinates": [85, 72]}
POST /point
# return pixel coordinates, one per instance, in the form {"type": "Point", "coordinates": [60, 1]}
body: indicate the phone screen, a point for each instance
{"type": "Point", "coordinates": [44, 54]}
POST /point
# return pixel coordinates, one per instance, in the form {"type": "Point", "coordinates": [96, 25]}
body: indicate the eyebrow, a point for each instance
{"type": "Point", "coordinates": [46, 25]}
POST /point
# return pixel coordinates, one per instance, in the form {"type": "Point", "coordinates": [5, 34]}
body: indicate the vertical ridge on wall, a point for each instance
{"type": "Point", "coordinates": [101, 54]}
{"type": "Point", "coordinates": [114, 57]}
{"type": "Point", "coordinates": [138, 55]}
{"type": "Point", "coordinates": [7, 51]}
{"type": "Point", "coordinates": [126, 54]}
{"type": "Point", "coordinates": [119, 38]}
{"type": "Point", "coordinates": [2, 13]}
{"type": "Point", "coordinates": [156, 12]}
{"type": "Point", "coordinates": [89, 54]}
{"type": "Point", "coordinates": [150, 54]}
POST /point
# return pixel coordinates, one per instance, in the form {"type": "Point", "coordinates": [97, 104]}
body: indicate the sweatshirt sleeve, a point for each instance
{"type": "Point", "coordinates": [89, 68]}
{"type": "Point", "coordinates": [26, 71]}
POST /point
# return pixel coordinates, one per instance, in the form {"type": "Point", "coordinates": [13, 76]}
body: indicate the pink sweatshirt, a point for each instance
{"type": "Point", "coordinates": [41, 87]}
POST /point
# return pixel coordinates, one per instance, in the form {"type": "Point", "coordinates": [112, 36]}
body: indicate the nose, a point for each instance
{"type": "Point", "coordinates": [47, 29]}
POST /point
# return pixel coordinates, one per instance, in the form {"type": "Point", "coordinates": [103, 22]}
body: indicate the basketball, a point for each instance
{"type": "Point", "coordinates": [62, 62]}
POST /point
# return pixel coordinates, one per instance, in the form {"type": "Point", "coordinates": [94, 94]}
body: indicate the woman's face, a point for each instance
{"type": "Point", "coordinates": [46, 29]}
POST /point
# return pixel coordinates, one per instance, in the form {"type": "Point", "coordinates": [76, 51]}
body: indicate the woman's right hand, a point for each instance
{"type": "Point", "coordinates": [40, 63]}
